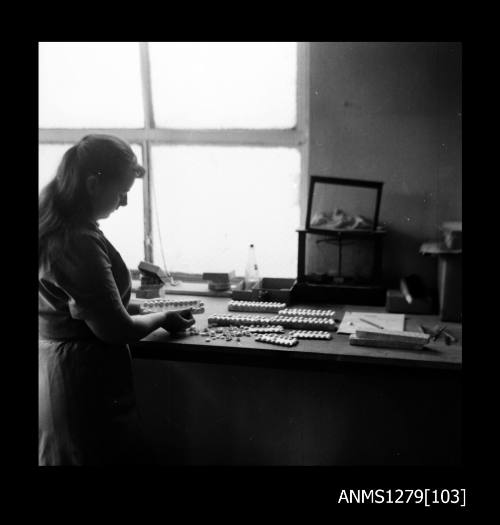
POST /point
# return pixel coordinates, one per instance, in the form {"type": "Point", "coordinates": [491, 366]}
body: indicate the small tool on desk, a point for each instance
{"type": "Point", "coordinates": [449, 338]}
{"type": "Point", "coordinates": [433, 332]}
{"type": "Point", "coordinates": [405, 291]}
{"type": "Point", "coordinates": [412, 288]}
{"type": "Point", "coordinates": [438, 332]}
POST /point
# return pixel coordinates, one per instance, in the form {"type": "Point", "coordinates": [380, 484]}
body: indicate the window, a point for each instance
{"type": "Point", "coordinates": [90, 85]}
{"type": "Point", "coordinates": [227, 85]}
{"type": "Point", "coordinates": [232, 198]}
{"type": "Point", "coordinates": [221, 128]}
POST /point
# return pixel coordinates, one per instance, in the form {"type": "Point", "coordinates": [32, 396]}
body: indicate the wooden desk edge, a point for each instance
{"type": "Point", "coordinates": [175, 350]}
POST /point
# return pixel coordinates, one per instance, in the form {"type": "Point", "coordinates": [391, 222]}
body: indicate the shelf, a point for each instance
{"type": "Point", "coordinates": [344, 233]}
{"type": "Point", "coordinates": [438, 248]}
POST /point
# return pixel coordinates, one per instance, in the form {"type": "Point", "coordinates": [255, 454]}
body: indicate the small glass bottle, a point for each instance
{"type": "Point", "coordinates": [251, 269]}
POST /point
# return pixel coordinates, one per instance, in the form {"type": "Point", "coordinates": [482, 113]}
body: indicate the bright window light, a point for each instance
{"type": "Point", "coordinates": [224, 84]}
{"type": "Point", "coordinates": [213, 201]}
{"type": "Point", "coordinates": [208, 202]}
{"type": "Point", "coordinates": [49, 157]}
{"type": "Point", "coordinates": [90, 85]}
{"type": "Point", "coordinates": [125, 227]}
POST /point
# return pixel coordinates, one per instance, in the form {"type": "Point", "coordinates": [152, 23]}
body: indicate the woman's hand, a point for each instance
{"type": "Point", "coordinates": [178, 321]}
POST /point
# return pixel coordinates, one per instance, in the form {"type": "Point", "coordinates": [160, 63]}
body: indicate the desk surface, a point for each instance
{"type": "Point", "coordinates": [162, 345]}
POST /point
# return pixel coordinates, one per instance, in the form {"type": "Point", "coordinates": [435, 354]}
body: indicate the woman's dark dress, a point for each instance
{"type": "Point", "coordinates": [87, 411]}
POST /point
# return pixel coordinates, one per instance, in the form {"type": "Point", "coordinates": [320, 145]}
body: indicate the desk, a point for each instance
{"type": "Point", "coordinates": [319, 403]}
{"type": "Point", "coordinates": [162, 345]}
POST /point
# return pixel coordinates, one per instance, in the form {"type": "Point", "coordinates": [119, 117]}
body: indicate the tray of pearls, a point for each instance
{"type": "Point", "coordinates": [275, 339]}
{"type": "Point", "coordinates": [306, 312]}
{"type": "Point", "coordinates": [255, 306]}
{"type": "Point", "coordinates": [265, 329]}
{"type": "Point", "coordinates": [309, 334]}
{"type": "Point", "coordinates": [304, 323]}
{"type": "Point", "coordinates": [164, 305]}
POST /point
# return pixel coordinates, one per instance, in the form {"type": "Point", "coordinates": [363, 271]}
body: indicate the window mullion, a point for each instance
{"type": "Point", "coordinates": [148, 226]}
{"type": "Point", "coordinates": [238, 137]}
{"type": "Point", "coordinates": [147, 97]}
{"type": "Point", "coordinates": [243, 137]}
{"type": "Point", "coordinates": [303, 96]}
{"type": "Point", "coordinates": [146, 149]}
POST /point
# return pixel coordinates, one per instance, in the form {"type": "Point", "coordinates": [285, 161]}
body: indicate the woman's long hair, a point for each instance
{"type": "Point", "coordinates": [63, 204]}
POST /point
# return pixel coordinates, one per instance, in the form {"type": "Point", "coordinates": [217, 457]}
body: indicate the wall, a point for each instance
{"type": "Point", "coordinates": [391, 112]}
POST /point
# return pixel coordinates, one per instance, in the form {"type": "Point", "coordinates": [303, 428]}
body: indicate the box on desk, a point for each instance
{"type": "Point", "coordinates": [149, 291]}
{"type": "Point", "coordinates": [219, 281]}
{"type": "Point", "coordinates": [267, 289]}
{"type": "Point", "coordinates": [369, 295]}
{"type": "Point", "coordinates": [396, 303]}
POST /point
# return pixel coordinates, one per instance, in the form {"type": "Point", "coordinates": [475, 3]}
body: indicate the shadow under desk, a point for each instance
{"type": "Point", "coordinates": [318, 403]}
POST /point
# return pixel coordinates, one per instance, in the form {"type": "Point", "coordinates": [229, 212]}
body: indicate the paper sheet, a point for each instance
{"type": "Point", "coordinates": [353, 320]}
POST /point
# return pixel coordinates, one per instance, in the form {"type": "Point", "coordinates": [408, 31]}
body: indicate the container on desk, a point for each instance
{"type": "Point", "coordinates": [397, 304]}
{"type": "Point", "coordinates": [267, 289]}
{"type": "Point", "coordinates": [149, 291]}
{"type": "Point", "coordinates": [219, 281]}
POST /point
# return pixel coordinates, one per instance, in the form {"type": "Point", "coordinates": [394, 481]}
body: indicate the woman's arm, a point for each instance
{"type": "Point", "coordinates": [122, 328]}
{"type": "Point", "coordinates": [87, 279]}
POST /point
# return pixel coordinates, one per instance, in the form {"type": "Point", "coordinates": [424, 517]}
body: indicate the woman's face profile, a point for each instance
{"type": "Point", "coordinates": [110, 195]}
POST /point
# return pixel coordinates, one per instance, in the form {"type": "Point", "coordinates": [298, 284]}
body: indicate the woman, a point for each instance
{"type": "Point", "coordinates": [87, 412]}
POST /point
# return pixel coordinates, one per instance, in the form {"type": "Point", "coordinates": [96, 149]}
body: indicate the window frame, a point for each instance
{"type": "Point", "coordinates": [296, 137]}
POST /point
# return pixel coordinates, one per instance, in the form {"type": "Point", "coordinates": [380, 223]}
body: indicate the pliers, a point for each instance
{"type": "Point", "coordinates": [437, 331]}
